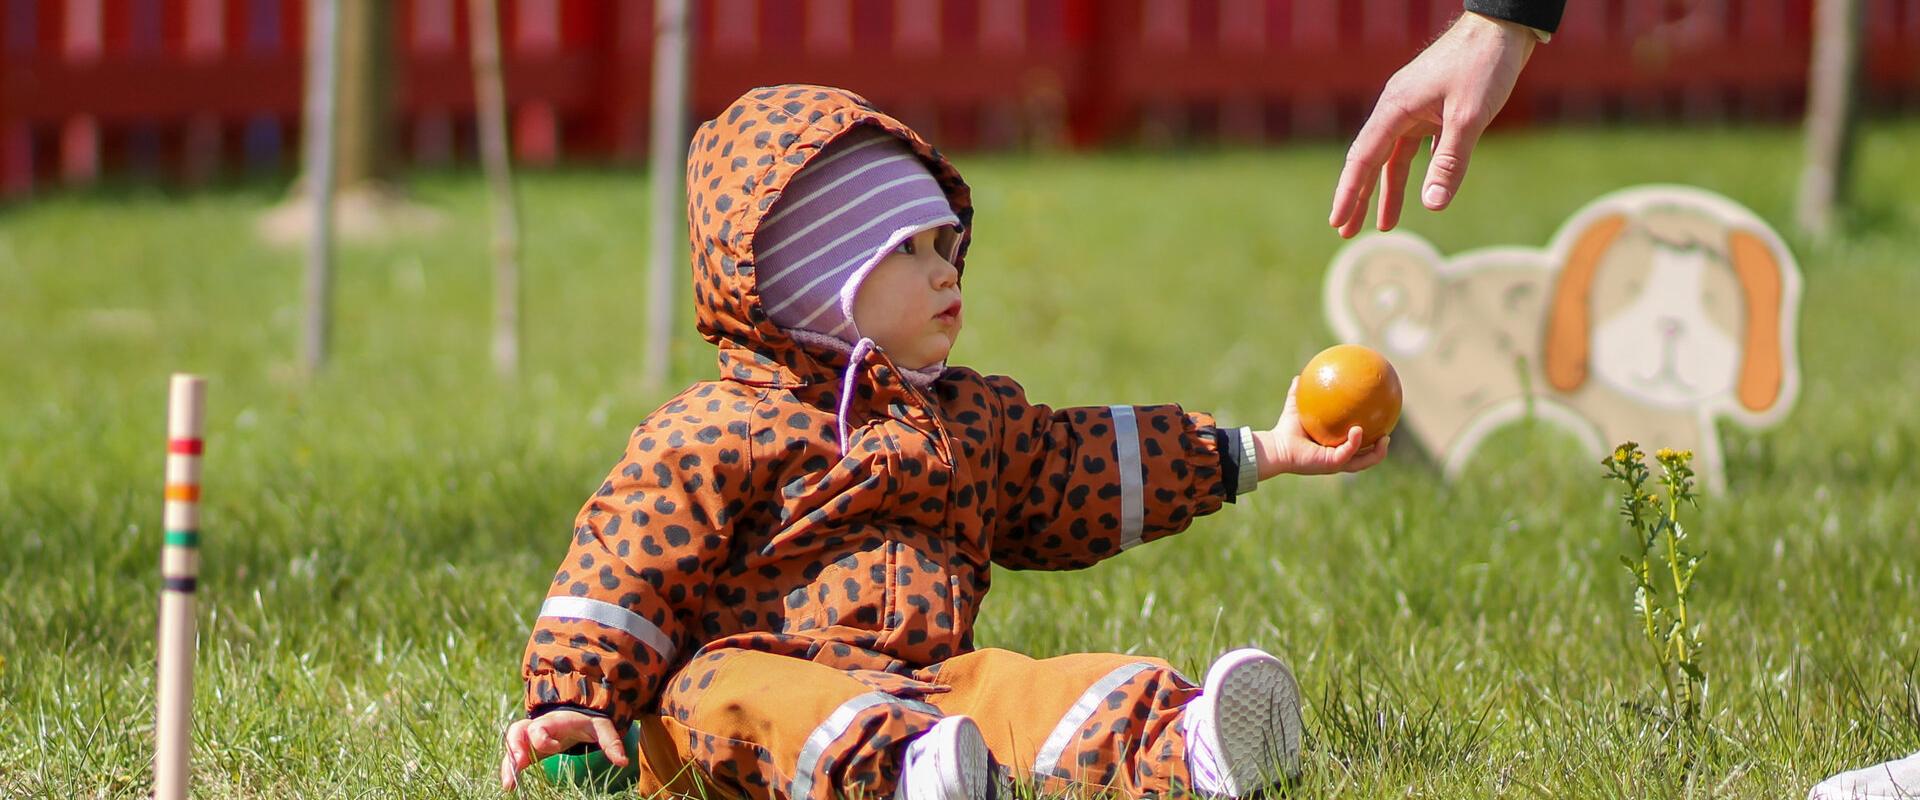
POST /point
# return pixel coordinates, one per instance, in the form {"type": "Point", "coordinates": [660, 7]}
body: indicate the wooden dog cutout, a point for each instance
{"type": "Point", "coordinates": [1654, 312]}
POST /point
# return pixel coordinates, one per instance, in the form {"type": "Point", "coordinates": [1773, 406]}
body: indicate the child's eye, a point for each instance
{"type": "Point", "coordinates": [906, 247]}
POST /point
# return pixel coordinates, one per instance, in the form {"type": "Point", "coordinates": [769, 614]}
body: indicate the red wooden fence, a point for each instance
{"type": "Point", "coordinates": [188, 88]}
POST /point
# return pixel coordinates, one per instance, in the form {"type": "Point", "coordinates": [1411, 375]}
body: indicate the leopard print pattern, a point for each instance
{"type": "Point", "coordinates": [734, 510]}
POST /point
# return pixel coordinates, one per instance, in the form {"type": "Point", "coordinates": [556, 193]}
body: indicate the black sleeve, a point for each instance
{"type": "Point", "coordinates": [1541, 15]}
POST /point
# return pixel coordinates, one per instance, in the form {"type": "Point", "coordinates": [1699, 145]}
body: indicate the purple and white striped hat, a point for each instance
{"type": "Point", "coordinates": [852, 205]}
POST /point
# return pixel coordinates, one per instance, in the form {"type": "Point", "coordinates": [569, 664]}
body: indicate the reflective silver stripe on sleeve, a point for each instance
{"type": "Point", "coordinates": [831, 730]}
{"type": "Point", "coordinates": [1056, 746]}
{"type": "Point", "coordinates": [611, 616]}
{"type": "Point", "coordinates": [1126, 446]}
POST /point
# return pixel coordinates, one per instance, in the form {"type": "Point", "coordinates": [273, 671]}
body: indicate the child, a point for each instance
{"type": "Point", "coordinates": [779, 581]}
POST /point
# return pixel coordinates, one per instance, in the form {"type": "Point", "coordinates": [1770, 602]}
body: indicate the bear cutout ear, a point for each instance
{"type": "Point", "coordinates": [1763, 360]}
{"type": "Point", "coordinates": [1381, 291]}
{"type": "Point", "coordinates": [1569, 316]}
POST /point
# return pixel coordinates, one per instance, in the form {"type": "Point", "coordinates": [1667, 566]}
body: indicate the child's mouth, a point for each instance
{"type": "Point", "coordinates": [951, 314]}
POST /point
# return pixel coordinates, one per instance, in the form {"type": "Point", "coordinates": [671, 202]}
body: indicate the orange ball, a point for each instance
{"type": "Point", "coordinates": [1347, 385]}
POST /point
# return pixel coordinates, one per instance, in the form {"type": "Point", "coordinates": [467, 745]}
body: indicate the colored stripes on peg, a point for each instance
{"type": "Point", "coordinates": [180, 558]}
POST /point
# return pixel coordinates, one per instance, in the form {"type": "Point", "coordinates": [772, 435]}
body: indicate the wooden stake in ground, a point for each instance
{"type": "Point", "coordinates": [1832, 110]}
{"type": "Point", "coordinates": [369, 203]}
{"type": "Point", "coordinates": [490, 103]}
{"type": "Point", "coordinates": [323, 86]}
{"type": "Point", "coordinates": [667, 157]}
{"type": "Point", "coordinates": [179, 572]}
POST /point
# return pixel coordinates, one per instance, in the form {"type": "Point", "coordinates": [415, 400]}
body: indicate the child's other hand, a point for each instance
{"type": "Point", "coordinates": [529, 740]}
{"type": "Point", "coordinates": [1288, 450]}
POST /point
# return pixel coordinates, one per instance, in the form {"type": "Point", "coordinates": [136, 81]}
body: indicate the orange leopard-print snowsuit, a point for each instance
{"type": "Point", "coordinates": [780, 615]}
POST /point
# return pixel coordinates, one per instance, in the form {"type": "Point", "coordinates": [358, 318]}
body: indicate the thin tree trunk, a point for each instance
{"type": "Point", "coordinates": [491, 106]}
{"type": "Point", "coordinates": [367, 78]}
{"type": "Point", "coordinates": [667, 159]}
{"type": "Point", "coordinates": [367, 203]}
{"type": "Point", "coordinates": [318, 134]}
{"type": "Point", "coordinates": [1832, 111]}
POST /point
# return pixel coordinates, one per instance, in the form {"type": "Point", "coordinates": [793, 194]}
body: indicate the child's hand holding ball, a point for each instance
{"type": "Point", "coordinates": [1338, 416]}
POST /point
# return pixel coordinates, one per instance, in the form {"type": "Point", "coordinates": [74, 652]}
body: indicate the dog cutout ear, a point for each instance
{"type": "Point", "coordinates": [1569, 316]}
{"type": "Point", "coordinates": [1762, 364]}
{"type": "Point", "coordinates": [1381, 291]}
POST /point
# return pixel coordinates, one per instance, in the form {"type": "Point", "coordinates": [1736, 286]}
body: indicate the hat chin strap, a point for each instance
{"type": "Point", "coordinates": [856, 353]}
{"type": "Point", "coordinates": [860, 351]}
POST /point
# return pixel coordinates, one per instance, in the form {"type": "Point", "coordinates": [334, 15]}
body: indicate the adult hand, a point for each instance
{"type": "Point", "coordinates": [1452, 90]}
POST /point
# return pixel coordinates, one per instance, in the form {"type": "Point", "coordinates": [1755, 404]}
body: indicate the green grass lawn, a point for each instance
{"type": "Point", "coordinates": [377, 542]}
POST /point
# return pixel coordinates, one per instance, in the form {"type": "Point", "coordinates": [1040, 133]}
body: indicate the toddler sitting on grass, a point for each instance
{"type": "Point", "coordinates": [778, 583]}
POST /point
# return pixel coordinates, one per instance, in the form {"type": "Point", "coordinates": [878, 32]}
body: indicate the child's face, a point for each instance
{"type": "Point", "coordinates": [909, 304]}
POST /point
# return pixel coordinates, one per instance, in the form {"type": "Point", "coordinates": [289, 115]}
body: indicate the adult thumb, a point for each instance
{"type": "Point", "coordinates": [1448, 167]}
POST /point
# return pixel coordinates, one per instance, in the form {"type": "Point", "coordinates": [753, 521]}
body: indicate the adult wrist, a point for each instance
{"type": "Point", "coordinates": [1515, 32]}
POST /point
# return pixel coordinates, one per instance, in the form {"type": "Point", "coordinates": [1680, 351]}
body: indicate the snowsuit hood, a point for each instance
{"type": "Point", "coordinates": [753, 149]}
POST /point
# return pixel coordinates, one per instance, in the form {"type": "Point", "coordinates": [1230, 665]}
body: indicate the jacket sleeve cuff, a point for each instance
{"type": "Point", "coordinates": [1201, 448]}
{"type": "Point", "coordinates": [539, 711]}
{"type": "Point", "coordinates": [547, 691]}
{"type": "Point", "coordinates": [1542, 16]}
{"type": "Point", "coordinates": [1247, 471]}
{"type": "Point", "coordinates": [1239, 466]}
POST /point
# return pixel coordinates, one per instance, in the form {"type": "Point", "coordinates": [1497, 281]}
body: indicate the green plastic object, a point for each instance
{"type": "Point", "coordinates": [592, 769]}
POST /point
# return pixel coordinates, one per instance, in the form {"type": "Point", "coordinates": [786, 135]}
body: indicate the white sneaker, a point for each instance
{"type": "Point", "coordinates": [1243, 731]}
{"type": "Point", "coordinates": [1898, 779]}
{"type": "Point", "coordinates": [947, 762]}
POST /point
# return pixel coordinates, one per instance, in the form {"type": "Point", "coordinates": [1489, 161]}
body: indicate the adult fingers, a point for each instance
{"type": "Point", "coordinates": [610, 741]}
{"type": "Point", "coordinates": [1359, 218]}
{"type": "Point", "coordinates": [1448, 167]}
{"type": "Point", "coordinates": [1370, 150]}
{"type": "Point", "coordinates": [1393, 182]}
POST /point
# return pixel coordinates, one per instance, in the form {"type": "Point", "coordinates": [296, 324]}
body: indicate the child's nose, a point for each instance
{"type": "Point", "coordinates": [945, 276]}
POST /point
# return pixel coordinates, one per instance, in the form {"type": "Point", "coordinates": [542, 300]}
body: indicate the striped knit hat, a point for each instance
{"type": "Point", "coordinates": [837, 218]}
{"type": "Point", "coordinates": [852, 205]}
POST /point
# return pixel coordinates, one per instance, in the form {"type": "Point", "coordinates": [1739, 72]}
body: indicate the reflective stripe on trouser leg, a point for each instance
{"type": "Point", "coordinates": [1047, 763]}
{"type": "Point", "coordinates": [835, 727]}
{"type": "Point", "coordinates": [1126, 451]}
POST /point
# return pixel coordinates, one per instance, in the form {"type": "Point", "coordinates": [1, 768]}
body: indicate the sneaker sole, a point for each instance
{"type": "Point", "coordinates": [1255, 697]}
{"type": "Point", "coordinates": [969, 777]}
